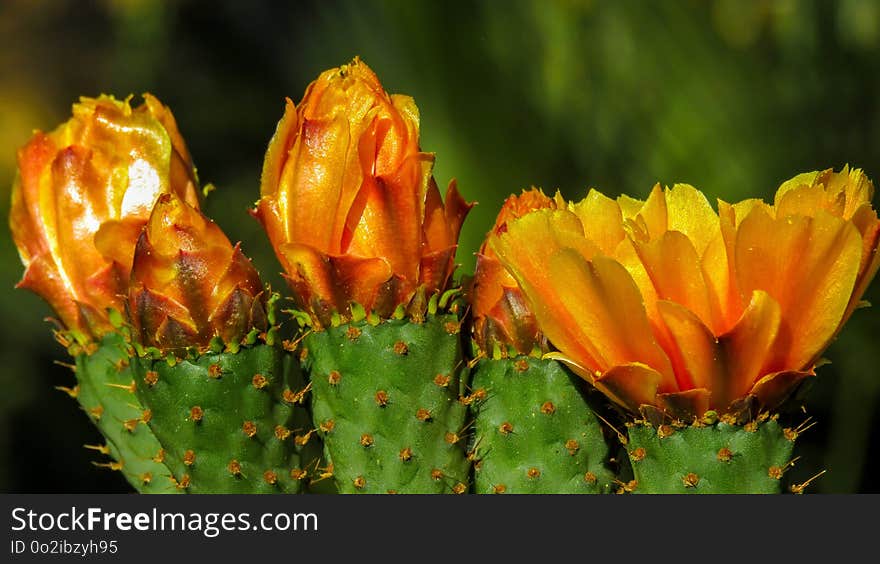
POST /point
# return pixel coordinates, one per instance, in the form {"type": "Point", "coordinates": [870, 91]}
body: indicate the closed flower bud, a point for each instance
{"type": "Point", "coordinates": [349, 201]}
{"type": "Point", "coordinates": [189, 284]}
{"type": "Point", "coordinates": [503, 321]}
{"type": "Point", "coordinates": [81, 196]}
{"type": "Point", "coordinates": [668, 304]}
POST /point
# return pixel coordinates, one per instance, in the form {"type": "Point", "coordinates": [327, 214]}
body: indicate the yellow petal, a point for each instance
{"type": "Point", "coordinates": [691, 213]}
{"type": "Point", "coordinates": [602, 221]}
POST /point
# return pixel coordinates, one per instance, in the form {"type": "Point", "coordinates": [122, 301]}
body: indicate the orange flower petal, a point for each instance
{"type": "Point", "coordinates": [674, 269]}
{"type": "Point", "coordinates": [606, 303]}
{"type": "Point", "coordinates": [749, 345]}
{"type": "Point", "coordinates": [809, 266]}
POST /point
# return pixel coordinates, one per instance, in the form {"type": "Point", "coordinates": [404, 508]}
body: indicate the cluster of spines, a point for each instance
{"type": "Point", "coordinates": [386, 400]}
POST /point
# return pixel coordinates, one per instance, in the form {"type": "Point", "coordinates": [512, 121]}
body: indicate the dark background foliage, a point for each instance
{"type": "Point", "coordinates": [732, 97]}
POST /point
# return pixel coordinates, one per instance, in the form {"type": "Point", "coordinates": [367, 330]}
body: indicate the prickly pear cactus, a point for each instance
{"type": "Point", "coordinates": [106, 392]}
{"type": "Point", "coordinates": [534, 431]}
{"type": "Point", "coordinates": [227, 421]}
{"type": "Point", "coordinates": [720, 457]}
{"type": "Point", "coordinates": [385, 400]}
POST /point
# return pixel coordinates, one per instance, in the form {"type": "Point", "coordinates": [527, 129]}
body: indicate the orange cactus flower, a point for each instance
{"type": "Point", "coordinates": [189, 284]}
{"type": "Point", "coordinates": [502, 318]}
{"type": "Point", "coordinates": [81, 196]}
{"type": "Point", "coordinates": [349, 202]}
{"type": "Point", "coordinates": [667, 303]}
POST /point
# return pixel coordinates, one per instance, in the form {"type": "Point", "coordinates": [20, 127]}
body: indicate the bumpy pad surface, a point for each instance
{"type": "Point", "coordinates": [106, 393]}
{"type": "Point", "coordinates": [223, 421]}
{"type": "Point", "coordinates": [534, 431]}
{"type": "Point", "coordinates": [385, 399]}
{"type": "Point", "coordinates": [719, 458]}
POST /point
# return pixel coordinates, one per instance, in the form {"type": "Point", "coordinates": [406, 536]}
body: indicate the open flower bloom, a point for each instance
{"type": "Point", "coordinates": [667, 303]}
{"type": "Point", "coordinates": [81, 196]}
{"type": "Point", "coordinates": [349, 201]}
{"type": "Point", "coordinates": [189, 284]}
{"type": "Point", "coordinates": [503, 321]}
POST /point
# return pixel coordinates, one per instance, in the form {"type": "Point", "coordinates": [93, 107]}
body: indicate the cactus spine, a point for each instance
{"type": "Point", "coordinates": [534, 431]}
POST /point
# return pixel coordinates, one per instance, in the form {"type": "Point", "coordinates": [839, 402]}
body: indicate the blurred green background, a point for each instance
{"type": "Point", "coordinates": [731, 96]}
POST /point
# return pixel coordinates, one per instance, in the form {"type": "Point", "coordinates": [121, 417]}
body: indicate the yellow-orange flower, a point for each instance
{"type": "Point", "coordinates": [502, 318]}
{"type": "Point", "coordinates": [669, 304]}
{"type": "Point", "coordinates": [81, 196]}
{"type": "Point", "coordinates": [189, 284]}
{"type": "Point", "coordinates": [349, 201]}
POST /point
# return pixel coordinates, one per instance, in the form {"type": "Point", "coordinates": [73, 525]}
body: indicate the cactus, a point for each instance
{"type": "Point", "coordinates": [385, 400]}
{"type": "Point", "coordinates": [534, 430]}
{"type": "Point", "coordinates": [105, 391]}
{"type": "Point", "coordinates": [718, 457]}
{"type": "Point", "coordinates": [227, 421]}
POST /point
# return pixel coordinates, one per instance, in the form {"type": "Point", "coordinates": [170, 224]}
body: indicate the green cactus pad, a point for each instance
{"type": "Point", "coordinates": [717, 458]}
{"type": "Point", "coordinates": [105, 392]}
{"type": "Point", "coordinates": [534, 431]}
{"type": "Point", "coordinates": [385, 399]}
{"type": "Point", "coordinates": [226, 421]}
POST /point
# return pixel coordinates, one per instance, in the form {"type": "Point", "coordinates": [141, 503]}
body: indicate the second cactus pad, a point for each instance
{"type": "Point", "coordinates": [226, 421]}
{"type": "Point", "coordinates": [385, 398]}
{"type": "Point", "coordinates": [534, 430]}
{"type": "Point", "coordinates": [715, 458]}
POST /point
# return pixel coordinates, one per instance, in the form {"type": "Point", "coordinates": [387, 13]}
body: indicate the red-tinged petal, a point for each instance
{"type": "Point", "coordinates": [436, 268]}
{"type": "Point", "coordinates": [43, 278]}
{"type": "Point", "coordinates": [749, 346]}
{"type": "Point", "coordinates": [324, 284]}
{"type": "Point", "coordinates": [235, 316]}
{"type": "Point", "coordinates": [773, 389]}
{"type": "Point", "coordinates": [698, 360]}
{"type": "Point", "coordinates": [150, 314]}
{"type": "Point", "coordinates": [687, 405]}
{"type": "Point", "coordinates": [630, 385]}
